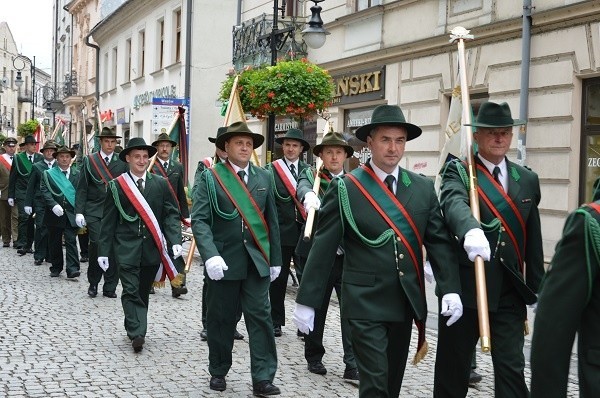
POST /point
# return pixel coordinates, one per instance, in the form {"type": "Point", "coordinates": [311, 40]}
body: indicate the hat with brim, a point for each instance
{"type": "Point", "coordinates": [63, 149]}
{"type": "Point", "coordinates": [28, 140]}
{"type": "Point", "coordinates": [164, 137]}
{"type": "Point", "coordinates": [136, 143]}
{"type": "Point", "coordinates": [10, 141]}
{"type": "Point", "coordinates": [388, 115]}
{"type": "Point", "coordinates": [50, 144]}
{"type": "Point", "coordinates": [220, 131]}
{"type": "Point", "coordinates": [107, 133]}
{"type": "Point", "coordinates": [237, 129]}
{"type": "Point", "coordinates": [294, 134]}
{"type": "Point", "coordinates": [333, 139]}
{"type": "Point", "coordinates": [495, 115]}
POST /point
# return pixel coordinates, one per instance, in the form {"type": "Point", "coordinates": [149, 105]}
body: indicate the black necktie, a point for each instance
{"type": "Point", "coordinates": [11, 158]}
{"type": "Point", "coordinates": [65, 173]}
{"type": "Point", "coordinates": [106, 159]}
{"type": "Point", "coordinates": [389, 181]}
{"type": "Point", "coordinates": [496, 174]}
{"type": "Point", "coordinates": [293, 170]}
{"type": "Point", "coordinates": [166, 165]}
{"type": "Point", "coordinates": [140, 184]}
{"type": "Point", "coordinates": [31, 158]}
{"type": "Point", "coordinates": [242, 174]}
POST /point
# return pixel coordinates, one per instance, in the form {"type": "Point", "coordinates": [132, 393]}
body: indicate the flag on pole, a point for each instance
{"type": "Point", "coordinates": [234, 111]}
{"type": "Point", "coordinates": [39, 136]}
{"type": "Point", "coordinates": [179, 134]}
{"type": "Point", "coordinates": [59, 131]}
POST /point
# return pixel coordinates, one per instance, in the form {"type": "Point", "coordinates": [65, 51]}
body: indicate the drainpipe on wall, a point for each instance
{"type": "Point", "coordinates": [188, 50]}
{"type": "Point", "coordinates": [97, 48]}
{"type": "Point", "coordinates": [239, 13]}
{"type": "Point", "coordinates": [524, 97]}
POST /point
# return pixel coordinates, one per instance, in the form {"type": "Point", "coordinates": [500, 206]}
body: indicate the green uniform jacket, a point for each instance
{"type": "Point", "coordinates": [524, 190]}
{"type": "Point", "coordinates": [569, 303]}
{"type": "Point", "coordinates": [19, 178]}
{"type": "Point", "coordinates": [34, 197]}
{"type": "Point", "coordinates": [91, 191]}
{"type": "Point", "coordinates": [374, 277]}
{"type": "Point", "coordinates": [289, 227]}
{"type": "Point", "coordinates": [175, 177]}
{"type": "Point", "coordinates": [52, 196]}
{"type": "Point", "coordinates": [219, 235]}
{"type": "Point", "coordinates": [132, 242]}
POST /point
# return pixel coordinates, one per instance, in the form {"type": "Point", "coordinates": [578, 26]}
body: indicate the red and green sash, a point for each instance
{"type": "Point", "coordinates": [324, 183]}
{"type": "Point", "coordinates": [23, 160]}
{"type": "Point", "coordinates": [241, 198]}
{"type": "Point", "coordinates": [5, 163]}
{"type": "Point", "coordinates": [97, 163]}
{"type": "Point", "coordinates": [503, 208]}
{"type": "Point", "coordinates": [62, 182]}
{"type": "Point", "coordinates": [144, 211]}
{"type": "Point", "coordinates": [290, 184]}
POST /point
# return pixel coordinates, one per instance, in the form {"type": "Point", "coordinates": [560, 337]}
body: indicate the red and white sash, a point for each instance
{"type": "Point", "coordinates": [208, 162]}
{"type": "Point", "coordinates": [147, 215]}
{"type": "Point", "coordinates": [5, 162]}
{"type": "Point", "coordinates": [290, 183]}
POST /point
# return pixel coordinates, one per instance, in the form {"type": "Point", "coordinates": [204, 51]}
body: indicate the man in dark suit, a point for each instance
{"type": "Point", "coordinates": [82, 235]}
{"type": "Point", "coordinates": [382, 215]}
{"type": "Point", "coordinates": [172, 170]}
{"type": "Point", "coordinates": [140, 222]}
{"type": "Point", "coordinates": [333, 151]}
{"type": "Point", "coordinates": [569, 304]}
{"type": "Point", "coordinates": [285, 172]}
{"type": "Point", "coordinates": [97, 170]}
{"type": "Point", "coordinates": [9, 216]}
{"type": "Point", "coordinates": [35, 203]}
{"type": "Point", "coordinates": [508, 199]}
{"type": "Point", "coordinates": [57, 186]}
{"type": "Point", "coordinates": [17, 191]}
{"type": "Point", "coordinates": [232, 197]}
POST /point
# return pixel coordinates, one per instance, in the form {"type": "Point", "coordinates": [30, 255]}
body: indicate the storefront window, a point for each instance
{"type": "Point", "coordinates": [353, 119]}
{"type": "Point", "coordinates": [308, 127]}
{"type": "Point", "coordinates": [590, 166]}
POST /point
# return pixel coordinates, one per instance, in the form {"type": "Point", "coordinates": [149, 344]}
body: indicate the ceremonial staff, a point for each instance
{"type": "Point", "coordinates": [459, 35]}
{"type": "Point", "coordinates": [310, 218]}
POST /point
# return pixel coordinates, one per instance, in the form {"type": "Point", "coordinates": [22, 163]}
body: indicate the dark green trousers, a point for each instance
{"type": "Point", "coordinates": [26, 226]}
{"type": "Point", "coordinates": [55, 235]}
{"type": "Point", "coordinates": [40, 237]}
{"type": "Point", "coordinates": [94, 272]}
{"type": "Point", "coordinates": [223, 299]}
{"type": "Point", "coordinates": [136, 281]}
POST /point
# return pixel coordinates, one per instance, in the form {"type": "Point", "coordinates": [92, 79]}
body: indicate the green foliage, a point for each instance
{"type": "Point", "coordinates": [2, 138]}
{"type": "Point", "coordinates": [296, 88]}
{"type": "Point", "coordinates": [27, 128]}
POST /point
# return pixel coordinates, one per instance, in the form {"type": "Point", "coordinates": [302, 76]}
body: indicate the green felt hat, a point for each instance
{"type": "Point", "coordinates": [495, 115]}
{"type": "Point", "coordinates": [237, 129]}
{"type": "Point", "coordinates": [30, 139]}
{"type": "Point", "coordinates": [388, 115]}
{"type": "Point", "coordinates": [137, 143]}
{"type": "Point", "coordinates": [220, 131]}
{"type": "Point", "coordinates": [294, 134]}
{"type": "Point", "coordinates": [107, 132]}
{"type": "Point", "coordinates": [50, 144]}
{"type": "Point", "coordinates": [333, 139]}
{"type": "Point", "coordinates": [63, 149]}
{"type": "Point", "coordinates": [164, 137]}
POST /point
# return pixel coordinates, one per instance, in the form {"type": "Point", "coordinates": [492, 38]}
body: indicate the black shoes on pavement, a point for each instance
{"type": "Point", "coordinates": [277, 331]}
{"type": "Point", "coordinates": [317, 367]}
{"type": "Point", "coordinates": [474, 377]}
{"type": "Point", "coordinates": [109, 294]}
{"type": "Point", "coordinates": [218, 383]}
{"type": "Point", "coordinates": [236, 335]}
{"type": "Point", "coordinates": [203, 335]}
{"type": "Point", "coordinates": [138, 343]}
{"type": "Point", "coordinates": [265, 389]}
{"type": "Point", "coordinates": [351, 374]}
{"type": "Point", "coordinates": [93, 291]}
{"type": "Point", "coordinates": [178, 291]}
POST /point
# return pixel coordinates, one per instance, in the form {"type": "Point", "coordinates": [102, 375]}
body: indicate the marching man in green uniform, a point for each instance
{"type": "Point", "coordinates": [569, 304]}
{"type": "Point", "coordinates": [139, 224]}
{"type": "Point", "coordinates": [97, 170]}
{"type": "Point", "coordinates": [234, 220]}
{"type": "Point", "coordinates": [58, 192]}
{"type": "Point", "coordinates": [285, 172]}
{"type": "Point", "coordinates": [35, 203]}
{"type": "Point", "coordinates": [172, 170]}
{"type": "Point", "coordinates": [333, 151]}
{"type": "Point", "coordinates": [17, 192]}
{"type": "Point", "coordinates": [382, 215]}
{"type": "Point", "coordinates": [9, 216]}
{"type": "Point", "coordinates": [510, 223]}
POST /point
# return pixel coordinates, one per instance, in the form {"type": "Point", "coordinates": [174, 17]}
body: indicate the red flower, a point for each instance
{"type": "Point", "coordinates": [271, 94]}
{"type": "Point", "coordinates": [311, 105]}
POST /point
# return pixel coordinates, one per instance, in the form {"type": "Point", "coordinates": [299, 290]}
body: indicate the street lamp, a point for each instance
{"type": "Point", "coordinates": [19, 78]}
{"type": "Point", "coordinates": [314, 35]}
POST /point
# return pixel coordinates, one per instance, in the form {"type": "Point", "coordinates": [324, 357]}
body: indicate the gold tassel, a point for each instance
{"type": "Point", "coordinates": [178, 280]}
{"type": "Point", "coordinates": [421, 353]}
{"type": "Point", "coordinates": [82, 231]}
{"type": "Point", "coordinates": [158, 284]}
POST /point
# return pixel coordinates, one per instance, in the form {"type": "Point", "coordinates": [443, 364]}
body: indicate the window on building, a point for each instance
{"type": "Point", "coordinates": [364, 4]}
{"type": "Point", "coordinates": [161, 44]}
{"type": "Point", "coordinates": [177, 35]}
{"type": "Point", "coordinates": [127, 60]}
{"type": "Point", "coordinates": [141, 53]}
{"type": "Point", "coordinates": [590, 139]}
{"type": "Point", "coordinates": [291, 8]}
{"type": "Point", "coordinates": [106, 64]}
{"type": "Point", "coordinates": [115, 69]}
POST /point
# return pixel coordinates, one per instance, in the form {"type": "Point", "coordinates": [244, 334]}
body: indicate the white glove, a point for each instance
{"type": "Point", "coordinates": [452, 307]}
{"type": "Point", "coordinates": [103, 263]}
{"type": "Point", "coordinates": [476, 244]}
{"type": "Point", "coordinates": [304, 318]}
{"type": "Point", "coordinates": [28, 210]}
{"type": "Point", "coordinates": [58, 210]}
{"type": "Point", "coordinates": [177, 250]}
{"type": "Point", "coordinates": [428, 272]}
{"type": "Point", "coordinates": [311, 201]}
{"type": "Point", "coordinates": [11, 202]}
{"type": "Point", "coordinates": [274, 271]}
{"type": "Point", "coordinates": [215, 267]}
{"type": "Point", "coordinates": [80, 220]}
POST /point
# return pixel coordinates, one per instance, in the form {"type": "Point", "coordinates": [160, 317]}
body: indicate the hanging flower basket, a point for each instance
{"type": "Point", "coordinates": [297, 88]}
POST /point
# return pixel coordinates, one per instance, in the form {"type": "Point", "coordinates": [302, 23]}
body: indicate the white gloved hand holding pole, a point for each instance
{"type": "Point", "coordinates": [177, 250]}
{"type": "Point", "coordinates": [58, 210]}
{"type": "Point", "coordinates": [274, 272]}
{"type": "Point", "coordinates": [80, 220]}
{"type": "Point", "coordinates": [452, 307]}
{"type": "Point", "coordinates": [311, 201]}
{"type": "Point", "coordinates": [103, 263]}
{"type": "Point", "coordinates": [11, 202]}
{"type": "Point", "coordinates": [428, 272]}
{"type": "Point", "coordinates": [304, 318]}
{"type": "Point", "coordinates": [28, 210]}
{"type": "Point", "coordinates": [476, 244]}
{"type": "Point", "coordinates": [215, 267]}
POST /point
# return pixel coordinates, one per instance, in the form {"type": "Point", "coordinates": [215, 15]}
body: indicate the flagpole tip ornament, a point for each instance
{"type": "Point", "coordinates": [460, 33]}
{"type": "Point", "coordinates": [164, 137]}
{"type": "Point", "coordinates": [237, 129]}
{"type": "Point", "coordinates": [136, 143]}
{"type": "Point", "coordinates": [388, 115]}
{"type": "Point", "coordinates": [294, 134]}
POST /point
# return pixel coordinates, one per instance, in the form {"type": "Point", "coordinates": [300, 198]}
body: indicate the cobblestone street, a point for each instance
{"type": "Point", "coordinates": [57, 342]}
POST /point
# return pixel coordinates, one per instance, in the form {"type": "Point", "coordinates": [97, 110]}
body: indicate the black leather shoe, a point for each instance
{"type": "Point", "coordinates": [474, 377]}
{"type": "Point", "coordinates": [351, 374]}
{"type": "Point", "coordinates": [21, 252]}
{"type": "Point", "coordinates": [317, 368]}
{"type": "Point", "coordinates": [74, 275]}
{"type": "Point", "coordinates": [300, 334]}
{"type": "Point", "coordinates": [178, 291]}
{"type": "Point", "coordinates": [29, 251]}
{"type": "Point", "coordinates": [203, 335]}
{"type": "Point", "coordinates": [38, 262]}
{"type": "Point", "coordinates": [6, 244]}
{"type": "Point", "coordinates": [54, 274]}
{"type": "Point", "coordinates": [93, 291]}
{"type": "Point", "coordinates": [218, 383]}
{"type": "Point", "coordinates": [277, 331]}
{"type": "Point", "coordinates": [238, 336]}
{"type": "Point", "coordinates": [265, 389]}
{"type": "Point", "coordinates": [138, 343]}
{"type": "Point", "coordinates": [109, 294]}
{"type": "Point", "coordinates": [152, 290]}
{"type": "Point", "coordinates": [83, 260]}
